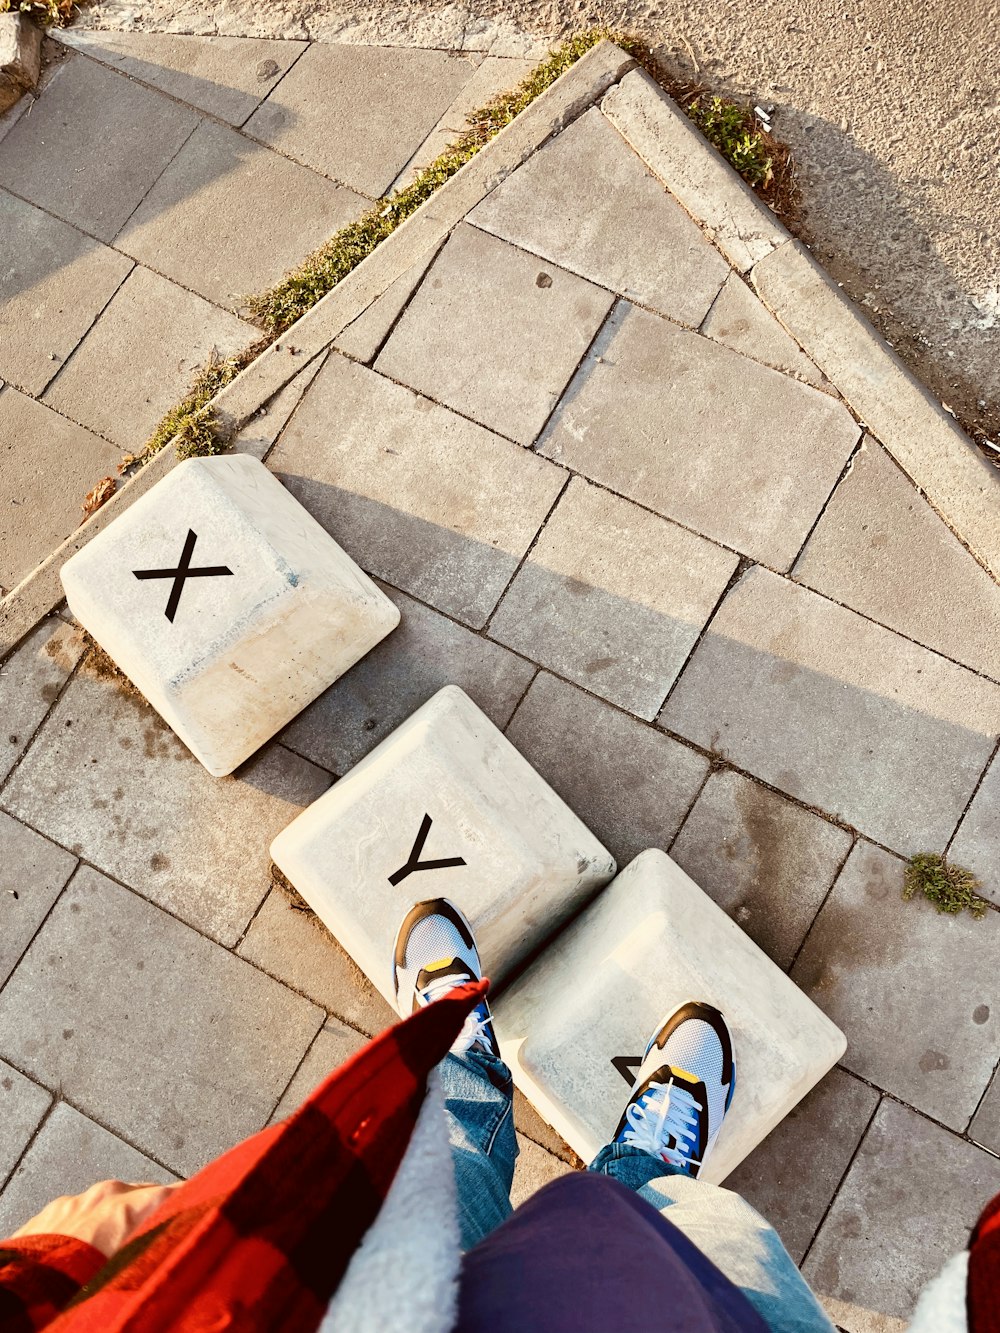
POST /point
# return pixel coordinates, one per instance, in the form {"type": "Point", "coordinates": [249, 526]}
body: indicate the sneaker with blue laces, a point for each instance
{"type": "Point", "coordinates": [435, 951]}
{"type": "Point", "coordinates": [683, 1089]}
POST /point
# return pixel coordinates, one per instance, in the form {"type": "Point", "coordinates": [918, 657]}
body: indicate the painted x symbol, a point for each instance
{"type": "Point", "coordinates": [182, 573]}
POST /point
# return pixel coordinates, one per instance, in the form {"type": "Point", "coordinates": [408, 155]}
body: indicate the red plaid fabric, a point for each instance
{"type": "Point", "coordinates": [259, 1239]}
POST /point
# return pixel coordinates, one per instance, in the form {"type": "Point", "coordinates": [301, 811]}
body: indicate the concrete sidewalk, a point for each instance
{"type": "Point", "coordinates": [678, 555]}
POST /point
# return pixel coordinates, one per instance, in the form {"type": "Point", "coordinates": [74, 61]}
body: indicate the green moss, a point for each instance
{"type": "Point", "coordinates": [192, 422]}
{"type": "Point", "coordinates": [950, 888]}
{"type": "Point", "coordinates": [734, 131]}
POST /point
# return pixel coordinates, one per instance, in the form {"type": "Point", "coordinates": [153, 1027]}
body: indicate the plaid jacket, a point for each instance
{"type": "Point", "coordinates": [260, 1238]}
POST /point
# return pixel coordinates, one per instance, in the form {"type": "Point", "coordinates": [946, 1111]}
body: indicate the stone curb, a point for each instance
{"type": "Point", "coordinates": [924, 440]}
{"type": "Point", "coordinates": [581, 86]}
{"type": "Point", "coordinates": [698, 176]}
{"type": "Point", "coordinates": [20, 57]}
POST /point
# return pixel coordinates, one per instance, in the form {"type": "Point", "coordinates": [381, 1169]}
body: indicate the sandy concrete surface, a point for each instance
{"type": "Point", "coordinates": [892, 111]}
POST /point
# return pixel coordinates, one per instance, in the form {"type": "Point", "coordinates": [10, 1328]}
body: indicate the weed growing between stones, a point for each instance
{"type": "Point", "coordinates": [49, 13]}
{"type": "Point", "coordinates": [950, 888]}
{"type": "Point", "coordinates": [736, 134]}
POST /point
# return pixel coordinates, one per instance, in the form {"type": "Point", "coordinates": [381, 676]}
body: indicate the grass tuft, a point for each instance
{"type": "Point", "coordinates": [193, 422]}
{"type": "Point", "coordinates": [950, 888]}
{"type": "Point", "coordinates": [49, 13]}
{"type": "Point", "coordinates": [734, 131]}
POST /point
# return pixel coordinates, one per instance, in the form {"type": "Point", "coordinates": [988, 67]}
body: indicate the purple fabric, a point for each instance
{"type": "Point", "coordinates": [586, 1255]}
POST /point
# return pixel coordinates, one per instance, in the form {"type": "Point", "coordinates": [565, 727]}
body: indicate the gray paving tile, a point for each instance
{"type": "Point", "coordinates": [47, 465]}
{"type": "Point", "coordinates": [915, 991]}
{"type": "Point", "coordinates": [53, 284]}
{"type": "Point", "coordinates": [838, 712]}
{"type": "Point", "coordinates": [534, 1168]}
{"type": "Point", "coordinates": [229, 217]}
{"type": "Point", "coordinates": [364, 336]}
{"type": "Point", "coordinates": [881, 1243]}
{"type": "Point", "coordinates": [70, 1154]}
{"type": "Point", "coordinates": [985, 1127]}
{"type": "Point", "coordinates": [768, 862]}
{"type": "Point", "coordinates": [151, 986]}
{"type": "Point", "coordinates": [740, 320]}
{"type": "Point", "coordinates": [259, 434]}
{"type": "Point", "coordinates": [613, 597]}
{"type": "Point", "coordinates": [108, 779]}
{"type": "Point", "coordinates": [587, 202]}
{"type": "Point", "coordinates": [494, 333]}
{"type": "Point", "coordinates": [335, 1042]}
{"type": "Point", "coordinates": [432, 503]}
{"type": "Point", "coordinates": [881, 549]}
{"type": "Point", "coordinates": [138, 360]}
{"type": "Point", "coordinates": [30, 681]}
{"type": "Point", "coordinates": [426, 652]}
{"type": "Point", "coordinates": [22, 1105]}
{"type": "Point", "coordinates": [112, 137]}
{"type": "Point", "coordinates": [295, 947]}
{"type": "Point", "coordinates": [655, 411]}
{"type": "Point", "coordinates": [977, 842]}
{"type": "Point", "coordinates": [358, 113]}
{"type": "Point", "coordinates": [531, 1126]}
{"type": "Point", "coordinates": [792, 1177]}
{"type": "Point", "coordinates": [226, 76]}
{"type": "Point", "coordinates": [32, 872]}
{"type": "Point", "coordinates": [627, 786]}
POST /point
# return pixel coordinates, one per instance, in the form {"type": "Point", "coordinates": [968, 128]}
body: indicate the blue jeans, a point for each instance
{"type": "Point", "coordinates": [479, 1102]}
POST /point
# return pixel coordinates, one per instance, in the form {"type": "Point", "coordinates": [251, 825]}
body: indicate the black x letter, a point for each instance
{"type": "Point", "coordinates": [414, 862]}
{"type": "Point", "coordinates": [181, 573]}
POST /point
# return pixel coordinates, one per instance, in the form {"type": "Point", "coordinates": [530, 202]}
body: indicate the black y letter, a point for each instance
{"type": "Point", "coordinates": [414, 862]}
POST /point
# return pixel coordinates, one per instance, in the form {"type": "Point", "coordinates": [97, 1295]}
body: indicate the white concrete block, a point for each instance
{"type": "Point", "coordinates": [226, 604]}
{"type": "Point", "coordinates": [445, 807]}
{"type": "Point", "coordinates": [651, 941]}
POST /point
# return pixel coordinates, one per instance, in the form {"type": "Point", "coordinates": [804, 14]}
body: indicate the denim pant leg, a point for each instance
{"type": "Point", "coordinates": [479, 1102]}
{"type": "Point", "coordinates": [726, 1230]}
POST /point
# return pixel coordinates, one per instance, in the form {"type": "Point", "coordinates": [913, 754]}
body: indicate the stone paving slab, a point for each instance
{"type": "Point", "coordinates": [339, 110]}
{"type": "Point", "coordinates": [229, 217]}
{"type": "Point", "coordinates": [227, 77]}
{"type": "Point", "coordinates": [151, 985]}
{"type": "Point", "coordinates": [655, 411]}
{"type": "Point", "coordinates": [53, 284]}
{"type": "Point", "coordinates": [293, 946]}
{"type": "Point", "coordinates": [426, 652]}
{"type": "Point", "coordinates": [70, 1154]}
{"type": "Point", "coordinates": [626, 785]}
{"type": "Point", "coordinates": [114, 138]}
{"type": "Point", "coordinates": [881, 1241]}
{"type": "Point", "coordinates": [739, 320]}
{"type": "Point", "coordinates": [985, 1127]}
{"type": "Point", "coordinates": [768, 862]}
{"type": "Point", "coordinates": [880, 548]}
{"type": "Point", "coordinates": [587, 202]}
{"type": "Point", "coordinates": [793, 1176]}
{"type": "Point", "coordinates": [363, 338]}
{"type": "Point", "coordinates": [32, 873]}
{"type": "Point", "coordinates": [259, 434]}
{"type": "Point", "coordinates": [977, 842]}
{"type": "Point", "coordinates": [878, 965]}
{"type": "Point", "coordinates": [47, 465]}
{"type": "Point", "coordinates": [139, 358]}
{"type": "Point", "coordinates": [22, 1105]}
{"type": "Point", "coordinates": [838, 712]}
{"type": "Point", "coordinates": [335, 1042]}
{"type": "Point", "coordinates": [494, 333]}
{"type": "Point", "coordinates": [434, 504]}
{"type": "Point", "coordinates": [612, 597]}
{"type": "Point", "coordinates": [534, 1168]}
{"type": "Point", "coordinates": [108, 779]}
{"type": "Point", "coordinates": [30, 681]}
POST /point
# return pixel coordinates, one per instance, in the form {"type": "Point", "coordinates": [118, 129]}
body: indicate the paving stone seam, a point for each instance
{"type": "Point", "coordinates": [842, 474]}
{"type": "Point", "coordinates": [846, 1171]}
{"type": "Point", "coordinates": [975, 792]}
{"type": "Point", "coordinates": [317, 362]}
{"type": "Point", "coordinates": [70, 676]}
{"type": "Point", "coordinates": [53, 1103]}
{"type": "Point", "coordinates": [305, 48]}
{"type": "Point", "coordinates": [305, 1055]}
{"type": "Point", "coordinates": [979, 1105]}
{"type": "Point", "coordinates": [521, 563]}
{"type": "Point", "coordinates": [80, 865]}
{"type": "Point", "coordinates": [856, 838]}
{"type": "Point", "coordinates": [574, 92]}
{"type": "Point", "coordinates": [370, 362]}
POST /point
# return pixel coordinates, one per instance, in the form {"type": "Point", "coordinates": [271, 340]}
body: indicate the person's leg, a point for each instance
{"type": "Point", "coordinates": [479, 1102]}
{"type": "Point", "coordinates": [684, 1088]}
{"type": "Point", "coordinates": [434, 952]}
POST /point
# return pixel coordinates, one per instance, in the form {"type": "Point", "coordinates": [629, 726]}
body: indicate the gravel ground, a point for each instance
{"type": "Point", "coordinates": [892, 112]}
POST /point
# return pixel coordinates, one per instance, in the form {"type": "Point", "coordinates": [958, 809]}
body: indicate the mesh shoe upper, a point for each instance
{"type": "Point", "coordinates": [435, 951]}
{"type": "Point", "coordinates": [684, 1088]}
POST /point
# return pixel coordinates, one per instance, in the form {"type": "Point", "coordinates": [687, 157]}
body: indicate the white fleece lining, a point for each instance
{"type": "Point", "coordinates": [942, 1304]}
{"type": "Point", "coordinates": [403, 1277]}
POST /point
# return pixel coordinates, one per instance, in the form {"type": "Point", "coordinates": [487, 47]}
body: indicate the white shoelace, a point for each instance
{"type": "Point", "coordinates": [666, 1110]}
{"type": "Point", "coordinates": [476, 1024]}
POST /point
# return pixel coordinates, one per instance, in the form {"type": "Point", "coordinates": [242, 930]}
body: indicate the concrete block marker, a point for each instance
{"type": "Point", "coordinates": [578, 1020]}
{"type": "Point", "coordinates": [226, 604]}
{"type": "Point", "coordinates": [444, 807]}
